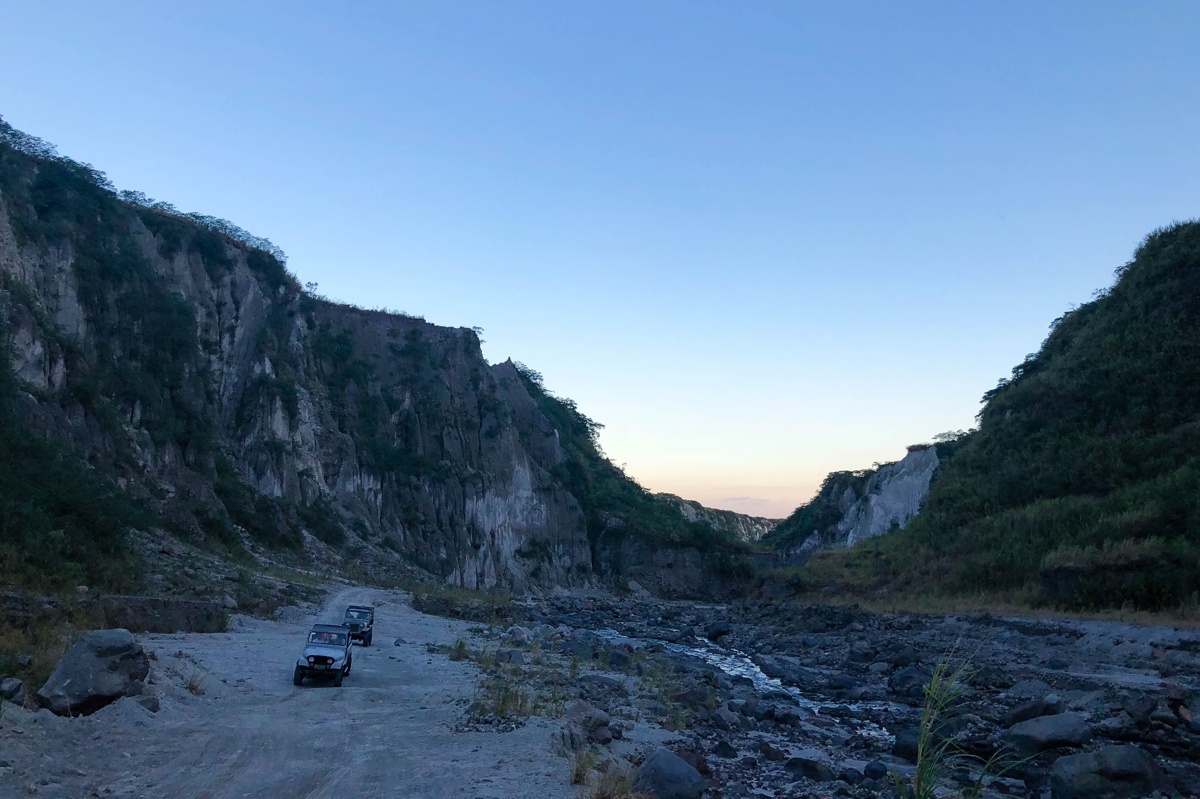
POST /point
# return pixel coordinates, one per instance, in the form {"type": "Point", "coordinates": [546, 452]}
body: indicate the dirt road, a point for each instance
{"type": "Point", "coordinates": [385, 733]}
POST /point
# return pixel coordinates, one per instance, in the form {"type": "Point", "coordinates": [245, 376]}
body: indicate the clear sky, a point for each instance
{"type": "Point", "coordinates": [757, 241]}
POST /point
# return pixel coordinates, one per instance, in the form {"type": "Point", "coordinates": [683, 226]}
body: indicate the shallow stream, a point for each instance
{"type": "Point", "coordinates": [738, 664]}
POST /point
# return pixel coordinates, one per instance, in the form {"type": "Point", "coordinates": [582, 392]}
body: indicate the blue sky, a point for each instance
{"type": "Point", "coordinates": [758, 242]}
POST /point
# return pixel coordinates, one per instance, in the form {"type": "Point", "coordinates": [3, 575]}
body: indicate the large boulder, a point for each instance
{"type": "Point", "coordinates": [101, 668]}
{"type": "Point", "coordinates": [807, 764]}
{"type": "Point", "coordinates": [1112, 772]}
{"type": "Point", "coordinates": [666, 775]}
{"type": "Point", "coordinates": [717, 630]}
{"type": "Point", "coordinates": [1048, 732]}
{"type": "Point", "coordinates": [910, 682]}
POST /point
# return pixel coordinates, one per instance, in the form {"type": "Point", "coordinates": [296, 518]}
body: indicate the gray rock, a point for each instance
{"type": "Point", "coordinates": [850, 775]}
{"type": "Point", "coordinates": [724, 749]}
{"type": "Point", "coordinates": [521, 636]}
{"type": "Point", "coordinates": [578, 649]}
{"type": "Point", "coordinates": [587, 715]}
{"type": "Point", "coordinates": [1119, 726]}
{"type": "Point", "coordinates": [571, 738]}
{"type": "Point", "coordinates": [229, 603]}
{"type": "Point", "coordinates": [725, 719]}
{"type": "Point", "coordinates": [694, 696]}
{"type": "Point", "coordinates": [1028, 689]}
{"type": "Point", "coordinates": [1112, 772]}
{"type": "Point", "coordinates": [1164, 716]}
{"type": "Point", "coordinates": [1034, 708]}
{"type": "Point", "coordinates": [788, 716]}
{"type": "Point", "coordinates": [788, 670]}
{"type": "Point", "coordinates": [1139, 706]}
{"type": "Point", "coordinates": [602, 681]}
{"type": "Point", "coordinates": [514, 656]}
{"type": "Point", "coordinates": [102, 667]}
{"type": "Point", "coordinates": [807, 765]}
{"type": "Point", "coordinates": [717, 629]}
{"type": "Point", "coordinates": [1048, 732]}
{"type": "Point", "coordinates": [151, 703]}
{"type": "Point", "coordinates": [11, 688]}
{"type": "Point", "coordinates": [905, 657]}
{"type": "Point", "coordinates": [24, 661]}
{"type": "Point", "coordinates": [906, 745]}
{"type": "Point", "coordinates": [910, 681]}
{"type": "Point", "coordinates": [875, 770]}
{"type": "Point", "coordinates": [771, 753]}
{"type": "Point", "coordinates": [666, 775]}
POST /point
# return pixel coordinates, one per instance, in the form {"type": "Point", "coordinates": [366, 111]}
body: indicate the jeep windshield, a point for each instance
{"type": "Point", "coordinates": [327, 639]}
{"type": "Point", "coordinates": [358, 615]}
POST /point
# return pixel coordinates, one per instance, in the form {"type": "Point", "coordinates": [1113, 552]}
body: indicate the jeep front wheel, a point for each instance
{"type": "Point", "coordinates": [297, 676]}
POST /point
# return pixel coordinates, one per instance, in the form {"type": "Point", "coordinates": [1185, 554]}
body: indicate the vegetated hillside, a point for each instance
{"type": "Point", "coordinates": [1081, 486]}
{"type": "Point", "coordinates": [166, 373]}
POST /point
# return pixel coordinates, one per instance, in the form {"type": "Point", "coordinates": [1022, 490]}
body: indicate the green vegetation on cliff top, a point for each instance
{"type": "Point", "coordinates": [1081, 486]}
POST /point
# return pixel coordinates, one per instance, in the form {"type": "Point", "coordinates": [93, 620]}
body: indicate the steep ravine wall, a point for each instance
{"type": "Point", "coordinates": [400, 426]}
{"type": "Point", "coordinates": [196, 371]}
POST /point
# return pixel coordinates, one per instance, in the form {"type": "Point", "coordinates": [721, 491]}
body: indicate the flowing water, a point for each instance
{"type": "Point", "coordinates": [738, 664]}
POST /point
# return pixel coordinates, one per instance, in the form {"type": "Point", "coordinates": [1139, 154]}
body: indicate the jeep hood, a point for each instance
{"type": "Point", "coordinates": [335, 652]}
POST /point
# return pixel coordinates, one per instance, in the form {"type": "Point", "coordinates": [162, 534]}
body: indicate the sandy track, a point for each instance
{"type": "Point", "coordinates": [385, 733]}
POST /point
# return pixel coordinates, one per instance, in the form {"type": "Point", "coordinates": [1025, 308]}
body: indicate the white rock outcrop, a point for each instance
{"type": "Point", "coordinates": [893, 496]}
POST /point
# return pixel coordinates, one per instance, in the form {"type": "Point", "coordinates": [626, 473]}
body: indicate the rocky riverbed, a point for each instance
{"type": "Point", "coordinates": [594, 695]}
{"type": "Point", "coordinates": [786, 701]}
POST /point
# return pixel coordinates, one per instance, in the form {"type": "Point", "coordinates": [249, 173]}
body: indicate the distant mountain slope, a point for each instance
{"type": "Point", "coordinates": [166, 371]}
{"type": "Point", "coordinates": [1082, 484]}
{"type": "Point", "coordinates": [745, 528]}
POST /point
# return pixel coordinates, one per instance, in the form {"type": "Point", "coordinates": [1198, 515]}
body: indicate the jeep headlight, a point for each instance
{"type": "Point", "coordinates": [310, 659]}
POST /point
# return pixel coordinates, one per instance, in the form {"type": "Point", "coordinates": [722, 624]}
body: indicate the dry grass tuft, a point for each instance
{"type": "Point", "coordinates": [195, 682]}
{"type": "Point", "coordinates": [616, 783]}
{"type": "Point", "coordinates": [581, 766]}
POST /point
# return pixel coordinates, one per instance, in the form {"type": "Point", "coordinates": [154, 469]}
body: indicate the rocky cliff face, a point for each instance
{"type": "Point", "coordinates": [892, 496]}
{"type": "Point", "coordinates": [854, 506]}
{"type": "Point", "coordinates": [195, 370]}
{"type": "Point", "coordinates": [743, 527]}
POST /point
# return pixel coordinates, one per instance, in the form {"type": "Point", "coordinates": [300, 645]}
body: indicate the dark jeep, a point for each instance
{"type": "Point", "coordinates": [361, 621]}
{"type": "Point", "coordinates": [326, 655]}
